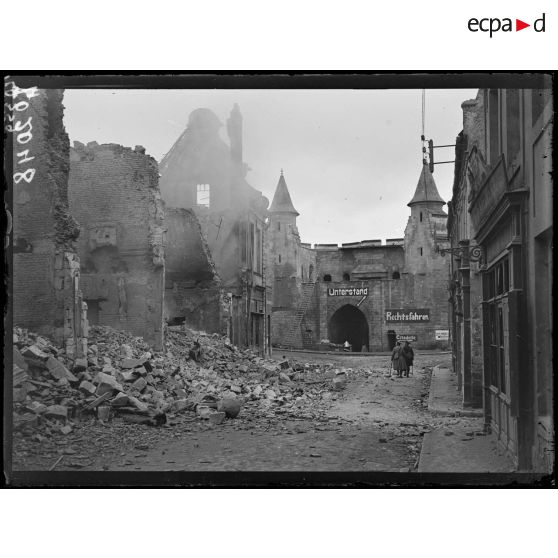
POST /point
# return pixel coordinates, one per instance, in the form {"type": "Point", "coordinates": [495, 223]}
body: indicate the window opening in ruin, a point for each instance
{"type": "Point", "coordinates": [327, 277]}
{"type": "Point", "coordinates": [202, 195]}
{"type": "Point", "coordinates": [279, 258]}
{"type": "Point", "coordinates": [259, 259]}
{"type": "Point", "coordinates": [420, 251]}
{"type": "Point", "coordinates": [279, 226]}
{"type": "Point", "coordinates": [346, 277]}
{"type": "Point", "coordinates": [302, 271]}
{"type": "Point", "coordinates": [177, 320]}
{"type": "Point", "coordinates": [311, 273]}
{"type": "Point", "coordinates": [421, 216]}
{"type": "Point", "coordinates": [92, 311]}
{"type": "Point", "coordinates": [243, 243]}
{"type": "Point", "coordinates": [251, 240]}
{"type": "Point", "coordinates": [395, 275]}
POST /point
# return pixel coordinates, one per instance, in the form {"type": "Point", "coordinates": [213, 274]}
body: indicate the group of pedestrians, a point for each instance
{"type": "Point", "coordinates": [402, 359]}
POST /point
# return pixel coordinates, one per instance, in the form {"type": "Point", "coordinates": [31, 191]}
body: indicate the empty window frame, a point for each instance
{"type": "Point", "coordinates": [203, 195]}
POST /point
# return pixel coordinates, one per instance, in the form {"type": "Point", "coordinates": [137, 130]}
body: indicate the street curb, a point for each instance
{"type": "Point", "coordinates": [446, 398]}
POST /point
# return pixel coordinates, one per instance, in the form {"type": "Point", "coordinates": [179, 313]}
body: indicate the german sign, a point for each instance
{"type": "Point", "coordinates": [442, 334]}
{"type": "Point", "coordinates": [408, 315]}
{"type": "Point", "coordinates": [344, 291]}
{"type": "Point", "coordinates": [405, 337]}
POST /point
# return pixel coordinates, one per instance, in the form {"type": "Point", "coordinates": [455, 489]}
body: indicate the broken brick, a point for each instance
{"type": "Point", "coordinates": [139, 384]}
{"type": "Point", "coordinates": [87, 387]}
{"type": "Point", "coordinates": [59, 371]}
{"type": "Point", "coordinates": [128, 363]}
{"type": "Point", "coordinates": [34, 353]}
{"type": "Point", "coordinates": [120, 400]}
{"type": "Point", "coordinates": [58, 412]}
{"type": "Point", "coordinates": [80, 365]}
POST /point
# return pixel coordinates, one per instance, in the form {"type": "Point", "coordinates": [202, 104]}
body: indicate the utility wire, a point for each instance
{"type": "Point", "coordinates": [423, 108]}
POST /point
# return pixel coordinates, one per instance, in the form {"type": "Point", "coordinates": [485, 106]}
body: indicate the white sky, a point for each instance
{"type": "Point", "coordinates": [351, 158]}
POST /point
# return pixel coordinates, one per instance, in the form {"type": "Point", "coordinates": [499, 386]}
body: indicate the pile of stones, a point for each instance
{"type": "Point", "coordinates": [123, 377]}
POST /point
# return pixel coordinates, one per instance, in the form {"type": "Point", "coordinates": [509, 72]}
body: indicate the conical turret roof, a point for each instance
{"type": "Point", "coordinates": [426, 189]}
{"type": "Point", "coordinates": [282, 202]}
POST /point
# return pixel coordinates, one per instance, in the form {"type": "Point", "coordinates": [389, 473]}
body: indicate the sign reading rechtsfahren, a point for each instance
{"type": "Point", "coordinates": [408, 315]}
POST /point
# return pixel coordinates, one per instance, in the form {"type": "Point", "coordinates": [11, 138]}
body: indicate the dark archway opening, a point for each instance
{"type": "Point", "coordinates": [327, 277]}
{"type": "Point", "coordinates": [349, 324]}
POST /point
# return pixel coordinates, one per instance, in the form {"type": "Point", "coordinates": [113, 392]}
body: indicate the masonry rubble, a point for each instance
{"type": "Point", "coordinates": [123, 378]}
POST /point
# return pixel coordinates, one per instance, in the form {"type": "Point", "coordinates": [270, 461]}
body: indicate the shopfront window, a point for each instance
{"type": "Point", "coordinates": [495, 289]}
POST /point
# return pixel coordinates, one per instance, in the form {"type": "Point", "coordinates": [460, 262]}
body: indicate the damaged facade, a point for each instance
{"type": "Point", "coordinates": [114, 196]}
{"type": "Point", "coordinates": [46, 269]}
{"type": "Point", "coordinates": [204, 174]}
{"type": "Point", "coordinates": [193, 292]}
{"type": "Point", "coordinates": [502, 206]}
{"type": "Point", "coordinates": [367, 293]}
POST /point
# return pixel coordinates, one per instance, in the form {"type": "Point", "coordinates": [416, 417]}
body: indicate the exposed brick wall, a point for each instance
{"type": "Point", "coordinates": [114, 196]}
{"type": "Point", "coordinates": [46, 271]}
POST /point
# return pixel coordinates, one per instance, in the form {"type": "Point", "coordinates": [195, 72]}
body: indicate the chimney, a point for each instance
{"type": "Point", "coordinates": [234, 130]}
{"type": "Point", "coordinates": [469, 113]}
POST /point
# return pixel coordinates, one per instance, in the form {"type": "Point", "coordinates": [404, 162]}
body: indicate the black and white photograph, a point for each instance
{"type": "Point", "coordinates": [278, 279]}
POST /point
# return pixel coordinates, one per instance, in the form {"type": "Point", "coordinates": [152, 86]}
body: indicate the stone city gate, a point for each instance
{"type": "Point", "coordinates": [348, 323]}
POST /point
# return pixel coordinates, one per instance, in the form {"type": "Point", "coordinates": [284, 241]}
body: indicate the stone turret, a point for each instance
{"type": "Point", "coordinates": [426, 227]}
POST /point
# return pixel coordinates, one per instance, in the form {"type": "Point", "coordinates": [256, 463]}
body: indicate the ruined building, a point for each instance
{"type": "Point", "coordinates": [193, 291]}
{"type": "Point", "coordinates": [367, 293]}
{"type": "Point", "coordinates": [203, 174]}
{"type": "Point", "coordinates": [502, 210]}
{"type": "Point", "coordinates": [46, 270]}
{"type": "Point", "coordinates": [114, 196]}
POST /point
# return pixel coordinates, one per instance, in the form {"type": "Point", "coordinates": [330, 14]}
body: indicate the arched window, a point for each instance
{"type": "Point", "coordinates": [311, 273]}
{"type": "Point", "coordinates": [346, 277]}
{"type": "Point", "coordinates": [421, 216]}
{"type": "Point", "coordinates": [395, 275]}
{"type": "Point", "coordinates": [279, 258]}
{"type": "Point", "coordinates": [327, 277]}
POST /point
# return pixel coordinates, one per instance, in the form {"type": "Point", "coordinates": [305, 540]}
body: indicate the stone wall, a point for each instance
{"type": "Point", "coordinates": [114, 195]}
{"type": "Point", "coordinates": [46, 270]}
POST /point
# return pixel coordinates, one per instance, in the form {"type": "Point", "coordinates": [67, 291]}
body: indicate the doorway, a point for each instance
{"type": "Point", "coordinates": [348, 323]}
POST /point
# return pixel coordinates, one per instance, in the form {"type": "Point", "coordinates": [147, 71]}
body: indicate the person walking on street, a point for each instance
{"type": "Point", "coordinates": [409, 355]}
{"type": "Point", "coordinates": [398, 360]}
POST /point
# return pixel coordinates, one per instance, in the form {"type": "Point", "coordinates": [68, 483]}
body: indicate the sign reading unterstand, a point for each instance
{"type": "Point", "coordinates": [344, 291]}
{"type": "Point", "coordinates": [408, 315]}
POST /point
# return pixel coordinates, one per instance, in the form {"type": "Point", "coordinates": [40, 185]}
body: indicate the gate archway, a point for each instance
{"type": "Point", "coordinates": [348, 323]}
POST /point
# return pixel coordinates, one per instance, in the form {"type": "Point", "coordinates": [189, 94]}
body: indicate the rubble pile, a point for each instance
{"type": "Point", "coordinates": [197, 373]}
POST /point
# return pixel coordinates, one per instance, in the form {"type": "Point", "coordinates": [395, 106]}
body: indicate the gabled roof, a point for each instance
{"type": "Point", "coordinates": [426, 189]}
{"type": "Point", "coordinates": [282, 202]}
